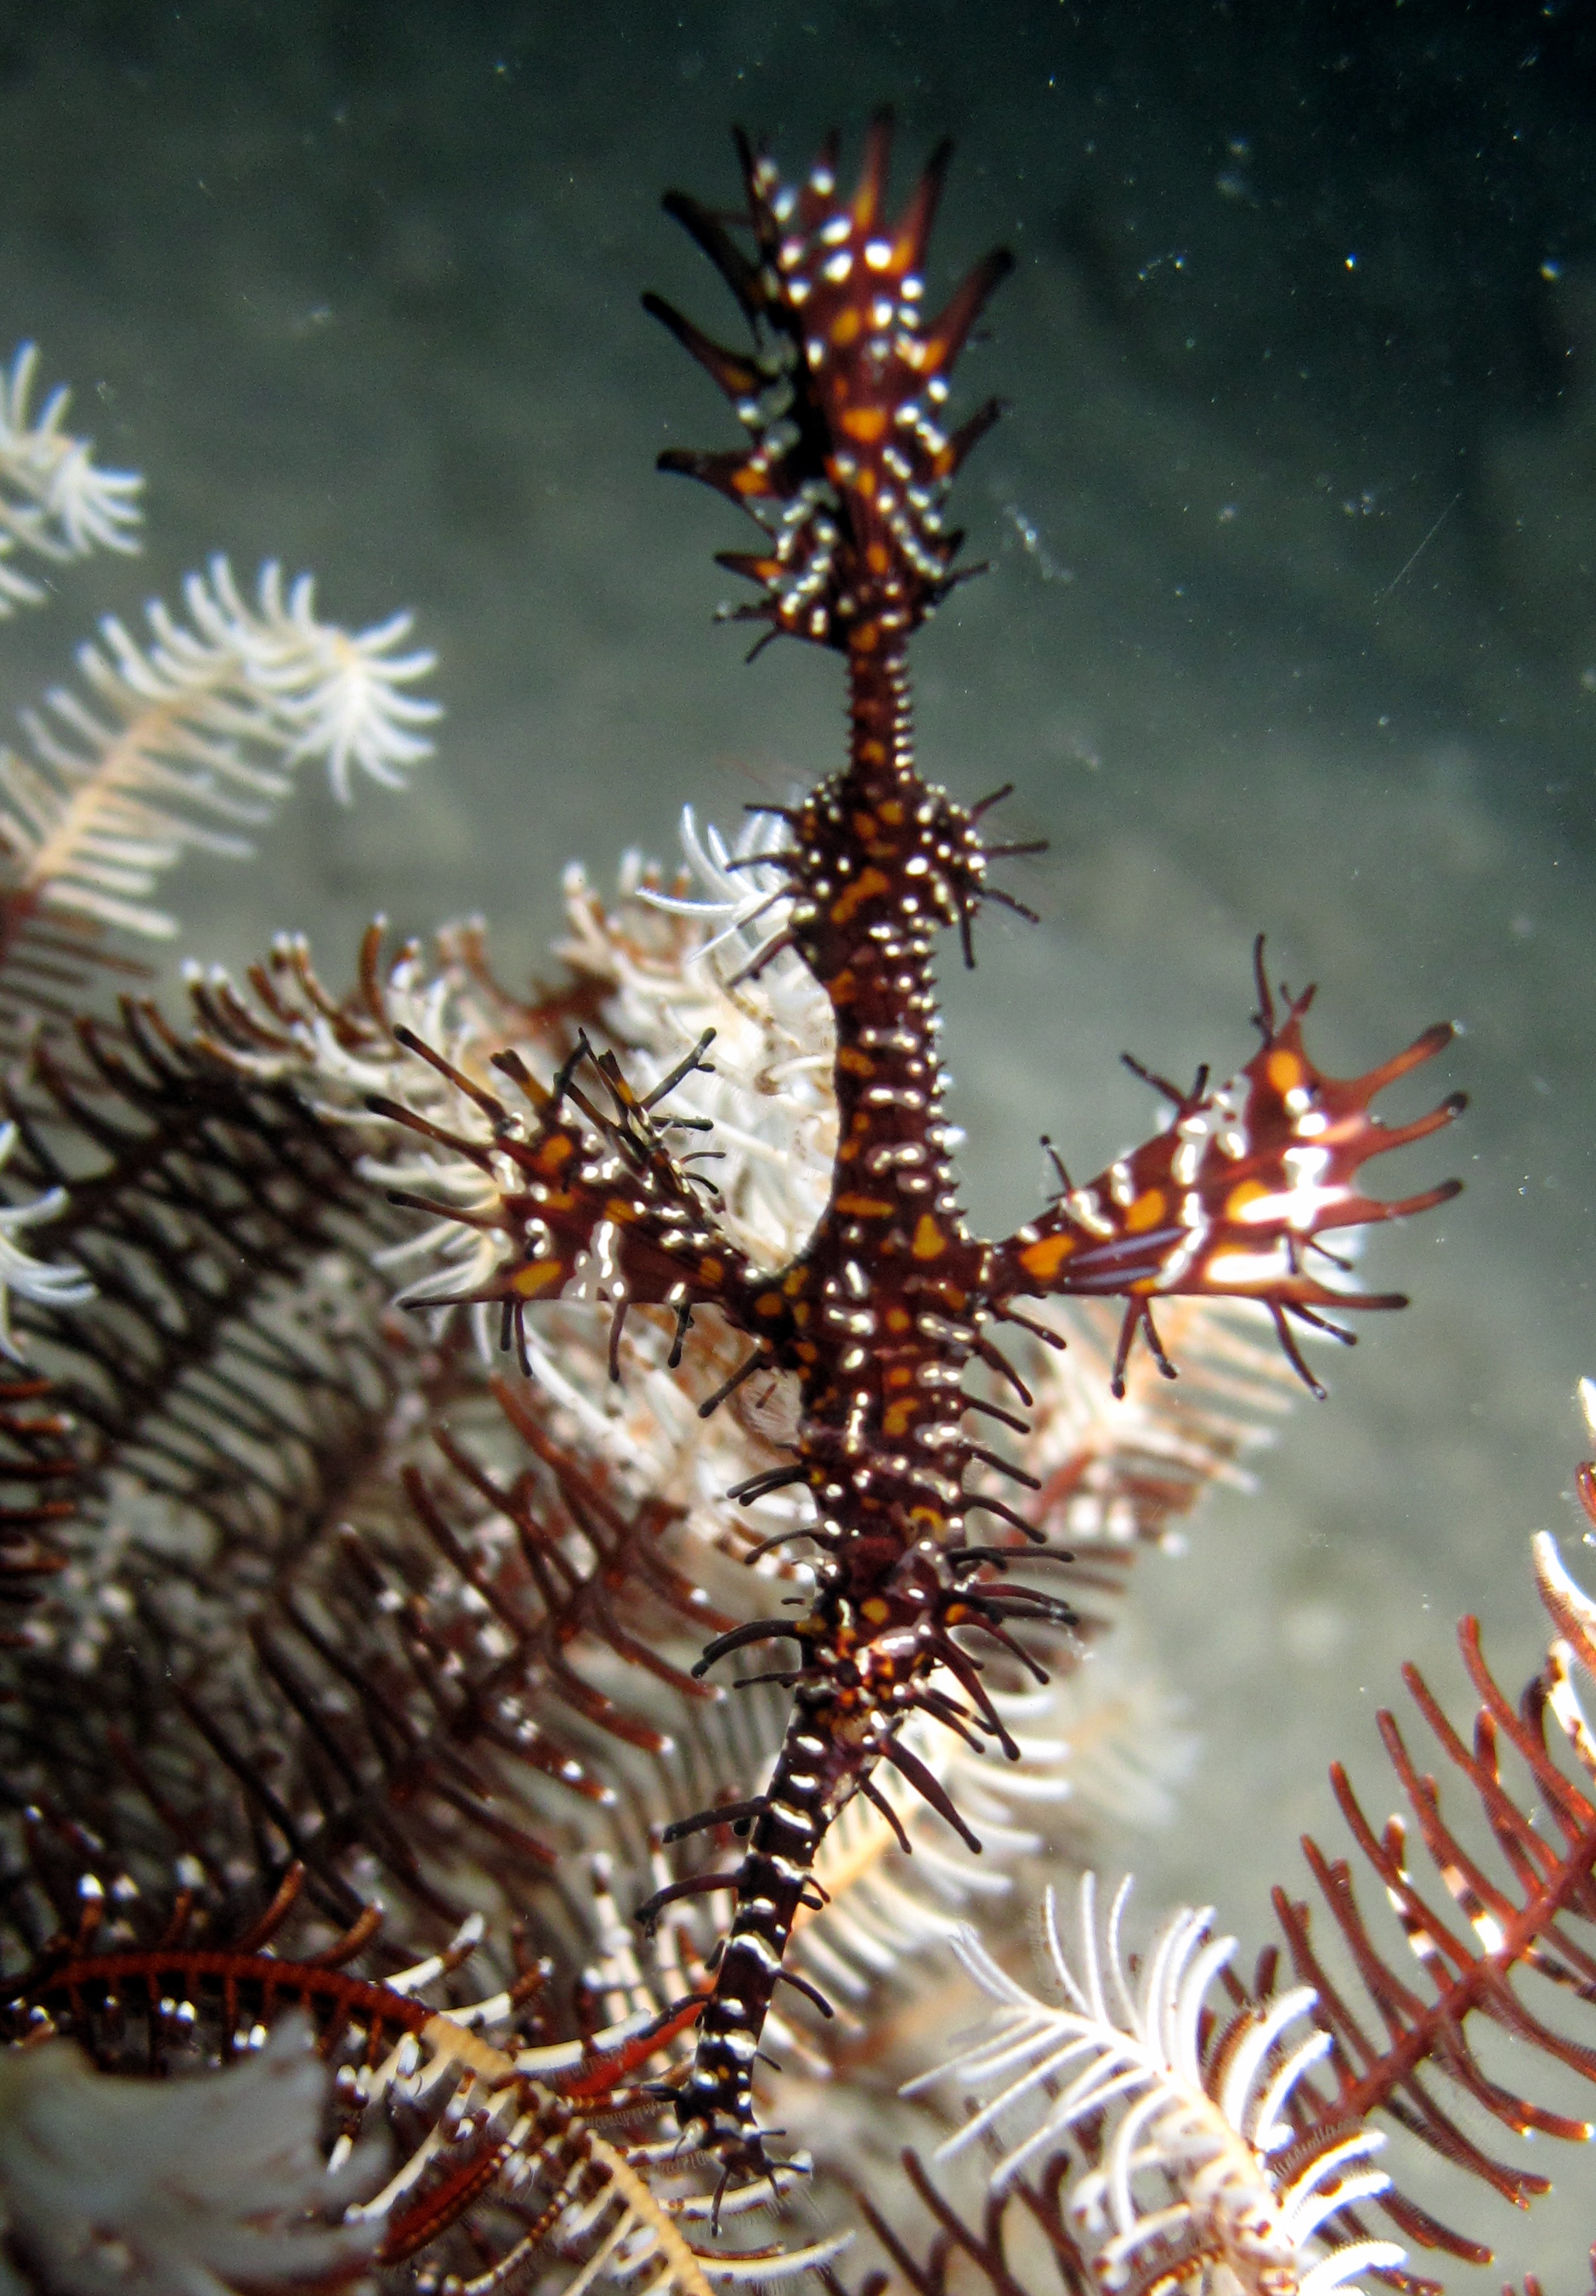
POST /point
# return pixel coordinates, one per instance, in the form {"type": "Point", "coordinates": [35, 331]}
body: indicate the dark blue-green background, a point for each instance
{"type": "Point", "coordinates": [1292, 625]}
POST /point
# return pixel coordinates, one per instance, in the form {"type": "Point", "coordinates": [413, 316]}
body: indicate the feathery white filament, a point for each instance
{"type": "Point", "coordinates": [55, 500]}
{"type": "Point", "coordinates": [203, 724]}
{"type": "Point", "coordinates": [735, 897]}
{"type": "Point", "coordinates": [1130, 2056]}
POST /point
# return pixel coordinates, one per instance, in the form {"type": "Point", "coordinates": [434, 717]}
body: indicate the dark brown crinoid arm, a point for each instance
{"type": "Point", "coordinates": [39, 1473]}
{"type": "Point", "coordinates": [339, 1669]}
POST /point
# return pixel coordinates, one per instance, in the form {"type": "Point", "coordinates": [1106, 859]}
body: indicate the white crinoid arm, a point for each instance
{"type": "Point", "coordinates": [675, 965]}
{"type": "Point", "coordinates": [50, 1284]}
{"type": "Point", "coordinates": [1183, 2136]}
{"type": "Point", "coordinates": [55, 500]}
{"type": "Point", "coordinates": [339, 697]}
{"type": "Point", "coordinates": [736, 890]}
{"type": "Point", "coordinates": [190, 738]}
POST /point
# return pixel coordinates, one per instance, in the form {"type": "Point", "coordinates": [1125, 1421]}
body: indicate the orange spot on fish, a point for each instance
{"type": "Point", "coordinates": [929, 1242]}
{"type": "Point", "coordinates": [536, 1277]}
{"type": "Point", "coordinates": [864, 887]}
{"type": "Point", "coordinates": [1245, 1192]}
{"type": "Point", "coordinates": [1045, 1258]}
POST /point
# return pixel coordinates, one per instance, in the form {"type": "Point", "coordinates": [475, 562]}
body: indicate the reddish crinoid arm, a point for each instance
{"type": "Point", "coordinates": [1227, 1201]}
{"type": "Point", "coordinates": [595, 1191]}
{"type": "Point", "coordinates": [1488, 1968]}
{"type": "Point", "coordinates": [160, 2007]}
{"type": "Point", "coordinates": [847, 463]}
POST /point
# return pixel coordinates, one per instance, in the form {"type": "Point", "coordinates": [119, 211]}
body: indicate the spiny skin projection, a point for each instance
{"type": "Point", "coordinates": [893, 1299]}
